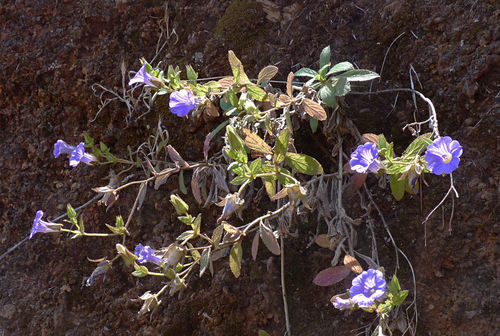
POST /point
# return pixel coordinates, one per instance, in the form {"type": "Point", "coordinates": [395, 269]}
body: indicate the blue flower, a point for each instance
{"type": "Point", "coordinates": [78, 155]}
{"type": "Point", "coordinates": [182, 102]}
{"type": "Point", "coordinates": [342, 304]}
{"type": "Point", "coordinates": [40, 226]}
{"type": "Point", "coordinates": [142, 76]}
{"type": "Point", "coordinates": [146, 254]}
{"type": "Point", "coordinates": [443, 155]}
{"type": "Point", "coordinates": [365, 158]}
{"type": "Point", "coordinates": [368, 287]}
{"type": "Point", "coordinates": [61, 147]}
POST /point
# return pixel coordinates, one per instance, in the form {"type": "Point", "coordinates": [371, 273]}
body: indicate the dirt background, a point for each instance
{"type": "Point", "coordinates": [51, 52]}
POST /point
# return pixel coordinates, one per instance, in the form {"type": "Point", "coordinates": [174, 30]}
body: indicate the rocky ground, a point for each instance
{"type": "Point", "coordinates": [51, 52]}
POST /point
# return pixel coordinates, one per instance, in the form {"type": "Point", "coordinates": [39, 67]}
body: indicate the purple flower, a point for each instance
{"type": "Point", "coordinates": [342, 304]}
{"type": "Point", "coordinates": [142, 76]}
{"type": "Point", "coordinates": [78, 155]}
{"type": "Point", "coordinates": [40, 226]}
{"type": "Point", "coordinates": [443, 155]}
{"type": "Point", "coordinates": [61, 147]}
{"type": "Point", "coordinates": [146, 254]}
{"type": "Point", "coordinates": [364, 158]}
{"type": "Point", "coordinates": [368, 287]}
{"type": "Point", "coordinates": [182, 102]}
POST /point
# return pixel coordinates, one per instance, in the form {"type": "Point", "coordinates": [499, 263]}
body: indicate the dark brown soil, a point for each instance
{"type": "Point", "coordinates": [51, 52]}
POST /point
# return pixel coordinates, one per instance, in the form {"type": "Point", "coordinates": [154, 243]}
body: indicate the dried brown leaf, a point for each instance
{"type": "Point", "coordinates": [289, 89]}
{"type": "Point", "coordinates": [314, 109]}
{"type": "Point", "coordinates": [176, 157]}
{"type": "Point", "coordinates": [256, 143]}
{"type": "Point", "coordinates": [323, 240]}
{"type": "Point", "coordinates": [351, 263]}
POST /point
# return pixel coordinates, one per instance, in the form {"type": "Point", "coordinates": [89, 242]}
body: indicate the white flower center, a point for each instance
{"type": "Point", "coordinates": [447, 158]}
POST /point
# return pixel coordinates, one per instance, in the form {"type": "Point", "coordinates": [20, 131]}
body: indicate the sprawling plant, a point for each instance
{"type": "Point", "coordinates": [259, 160]}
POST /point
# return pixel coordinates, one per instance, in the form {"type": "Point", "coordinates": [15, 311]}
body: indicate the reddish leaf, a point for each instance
{"type": "Point", "coordinates": [206, 146]}
{"type": "Point", "coordinates": [358, 179]}
{"type": "Point", "coordinates": [331, 275]}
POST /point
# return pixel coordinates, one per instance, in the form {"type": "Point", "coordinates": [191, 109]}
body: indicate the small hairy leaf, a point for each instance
{"type": "Point", "coordinates": [269, 239]}
{"type": "Point", "coordinates": [267, 74]}
{"type": "Point", "coordinates": [314, 109]}
{"type": "Point", "coordinates": [254, 142]}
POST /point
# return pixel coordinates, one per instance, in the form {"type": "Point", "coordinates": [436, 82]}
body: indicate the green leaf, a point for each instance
{"type": "Point", "coordinates": [225, 104]}
{"type": "Point", "coordinates": [119, 222]}
{"type": "Point", "coordinates": [303, 163]}
{"type": "Point", "coordinates": [237, 151]}
{"type": "Point", "coordinates": [306, 72]}
{"type": "Point", "coordinates": [256, 92]}
{"type": "Point", "coordinates": [263, 333]}
{"type": "Point", "coordinates": [140, 271]}
{"type": "Point", "coordinates": [182, 186]}
{"type": "Point", "coordinates": [417, 146]}
{"type": "Point", "coordinates": [314, 124]}
{"type": "Point", "coordinates": [359, 75]}
{"type": "Point", "coordinates": [339, 67]}
{"type": "Point", "coordinates": [394, 286]}
{"type": "Point", "coordinates": [281, 146]}
{"type": "Point", "coordinates": [397, 187]}
{"type": "Point", "coordinates": [270, 185]}
{"type": "Point", "coordinates": [341, 87]}
{"type": "Point", "coordinates": [89, 141]}
{"type": "Point", "coordinates": [186, 235]}
{"type": "Point", "coordinates": [324, 58]}
{"type": "Point", "coordinates": [285, 180]}
{"type": "Point", "coordinates": [327, 94]}
{"type": "Point", "coordinates": [399, 298]}
{"type": "Point", "coordinates": [255, 166]}
{"type": "Point", "coordinates": [196, 225]}
{"type": "Point", "coordinates": [71, 212]}
{"type": "Point", "coordinates": [239, 180]}
{"type": "Point", "coordinates": [235, 259]}
{"type": "Point", "coordinates": [191, 74]}
{"type": "Point", "coordinates": [204, 260]}
{"type": "Point", "coordinates": [323, 71]}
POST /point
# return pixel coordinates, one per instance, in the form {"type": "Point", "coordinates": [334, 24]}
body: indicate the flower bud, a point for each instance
{"type": "Point", "coordinates": [180, 206]}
